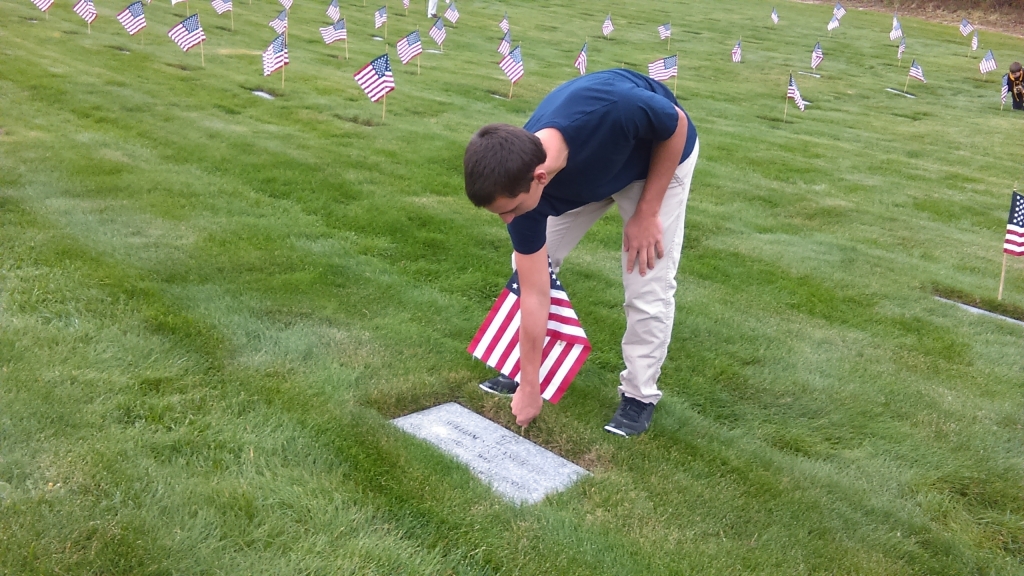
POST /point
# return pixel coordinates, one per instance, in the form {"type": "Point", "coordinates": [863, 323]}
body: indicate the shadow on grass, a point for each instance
{"type": "Point", "coordinates": [368, 122]}
{"type": "Point", "coordinates": [987, 304]}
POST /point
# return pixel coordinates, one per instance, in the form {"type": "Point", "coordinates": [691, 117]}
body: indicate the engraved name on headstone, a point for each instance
{"type": "Point", "coordinates": [519, 470]}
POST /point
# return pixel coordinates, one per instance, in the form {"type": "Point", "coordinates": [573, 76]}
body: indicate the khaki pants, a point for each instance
{"type": "Point", "coordinates": [650, 300]}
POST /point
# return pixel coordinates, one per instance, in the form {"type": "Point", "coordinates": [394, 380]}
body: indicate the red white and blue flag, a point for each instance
{"type": "Point", "coordinates": [838, 11]}
{"type": "Point", "coordinates": [794, 93]}
{"type": "Point", "coordinates": [581, 60]}
{"type": "Point", "coordinates": [437, 32]}
{"type": "Point", "coordinates": [505, 46]}
{"type": "Point", "coordinates": [275, 56]}
{"type": "Point", "coordinates": [607, 27]}
{"type": "Point", "coordinates": [512, 64]}
{"type": "Point", "coordinates": [280, 24]}
{"type": "Point", "coordinates": [897, 31]}
{"type": "Point", "coordinates": [452, 13]}
{"type": "Point", "coordinates": [663, 68]}
{"type": "Point", "coordinates": [817, 56]}
{"type": "Point", "coordinates": [504, 23]}
{"type": "Point", "coordinates": [966, 27]}
{"type": "Point", "coordinates": [916, 72]}
{"type": "Point", "coordinates": [334, 33]}
{"type": "Point", "coordinates": [86, 10]}
{"type": "Point", "coordinates": [775, 16]}
{"type": "Point", "coordinates": [974, 41]}
{"type": "Point", "coordinates": [988, 63]}
{"type": "Point", "coordinates": [565, 349]}
{"type": "Point", "coordinates": [221, 6]}
{"type": "Point", "coordinates": [132, 18]}
{"type": "Point", "coordinates": [333, 11]}
{"type": "Point", "coordinates": [1005, 91]}
{"type": "Point", "coordinates": [901, 49]}
{"type": "Point", "coordinates": [1014, 242]}
{"type": "Point", "coordinates": [833, 24]}
{"type": "Point", "coordinates": [380, 17]}
{"type": "Point", "coordinates": [737, 51]}
{"type": "Point", "coordinates": [187, 33]}
{"type": "Point", "coordinates": [409, 47]}
{"type": "Point", "coordinates": [665, 31]}
{"type": "Point", "coordinates": [376, 78]}
{"type": "Point", "coordinates": [43, 5]}
{"type": "Point", "coordinates": [286, 3]}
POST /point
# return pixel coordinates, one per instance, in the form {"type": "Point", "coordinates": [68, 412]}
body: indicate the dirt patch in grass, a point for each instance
{"type": "Point", "coordinates": [180, 67]}
{"type": "Point", "coordinates": [987, 304]}
{"type": "Point", "coordinates": [369, 122]}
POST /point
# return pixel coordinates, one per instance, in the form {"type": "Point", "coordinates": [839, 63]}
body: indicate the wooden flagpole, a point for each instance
{"type": "Point", "coordinates": [90, 27]}
{"type": "Point", "coordinates": [186, 8]}
{"type": "Point", "coordinates": [510, 90]}
{"type": "Point", "coordinates": [907, 84]}
{"type": "Point", "coordinates": [1002, 277]}
{"type": "Point", "coordinates": [384, 111]}
{"type": "Point", "coordinates": [232, 17]}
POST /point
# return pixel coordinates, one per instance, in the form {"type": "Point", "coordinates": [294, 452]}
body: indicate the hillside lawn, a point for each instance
{"type": "Point", "coordinates": [211, 304]}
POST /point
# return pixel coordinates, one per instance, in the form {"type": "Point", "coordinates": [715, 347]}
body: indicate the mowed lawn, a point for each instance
{"type": "Point", "coordinates": [211, 304]}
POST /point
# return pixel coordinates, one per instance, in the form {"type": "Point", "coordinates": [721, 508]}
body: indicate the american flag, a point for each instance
{"type": "Point", "coordinates": [43, 5]}
{"type": "Point", "coordinates": [437, 32]}
{"type": "Point", "coordinates": [1005, 90]}
{"type": "Point", "coordinates": [1014, 242]}
{"type": "Point", "coordinates": [334, 33]}
{"type": "Point", "coordinates": [607, 27]}
{"type": "Point", "coordinates": [221, 6]}
{"type": "Point", "coordinates": [663, 68]}
{"type": "Point", "coordinates": [187, 33]}
{"type": "Point", "coordinates": [506, 44]}
{"type": "Point", "coordinates": [132, 18]}
{"type": "Point", "coordinates": [375, 78]}
{"type": "Point", "coordinates": [988, 63]}
{"type": "Point", "coordinates": [916, 72]}
{"type": "Point", "coordinates": [86, 10]}
{"type": "Point", "coordinates": [775, 16]}
{"type": "Point", "coordinates": [581, 60]}
{"type": "Point", "coordinates": [665, 31]}
{"type": "Point", "coordinates": [280, 24]}
{"type": "Point", "coordinates": [794, 93]}
{"type": "Point", "coordinates": [286, 3]}
{"type": "Point", "coordinates": [409, 46]}
{"type": "Point", "coordinates": [512, 64]}
{"type": "Point", "coordinates": [817, 56]}
{"type": "Point", "coordinates": [504, 23]}
{"type": "Point", "coordinates": [974, 41]}
{"type": "Point", "coordinates": [737, 52]}
{"type": "Point", "coordinates": [405, 4]}
{"type": "Point", "coordinates": [838, 11]}
{"type": "Point", "coordinates": [897, 31]}
{"type": "Point", "coordinates": [380, 17]}
{"type": "Point", "coordinates": [452, 13]}
{"type": "Point", "coordinates": [966, 27]}
{"type": "Point", "coordinates": [333, 11]}
{"type": "Point", "coordinates": [565, 348]}
{"type": "Point", "coordinates": [833, 23]}
{"type": "Point", "coordinates": [902, 48]}
{"type": "Point", "coordinates": [275, 56]}
{"type": "Point", "coordinates": [173, 2]}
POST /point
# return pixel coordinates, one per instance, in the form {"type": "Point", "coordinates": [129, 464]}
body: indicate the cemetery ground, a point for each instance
{"type": "Point", "coordinates": [211, 304]}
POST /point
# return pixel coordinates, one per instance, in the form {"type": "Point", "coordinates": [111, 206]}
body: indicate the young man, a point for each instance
{"type": "Point", "coordinates": [1015, 83]}
{"type": "Point", "coordinates": [611, 137]}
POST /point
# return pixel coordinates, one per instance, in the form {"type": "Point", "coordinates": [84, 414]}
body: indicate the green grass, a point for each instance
{"type": "Point", "coordinates": [211, 304]}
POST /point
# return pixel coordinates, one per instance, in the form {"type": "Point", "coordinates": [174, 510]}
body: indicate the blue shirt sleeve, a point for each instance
{"type": "Point", "coordinates": [648, 116]}
{"type": "Point", "coordinates": [528, 232]}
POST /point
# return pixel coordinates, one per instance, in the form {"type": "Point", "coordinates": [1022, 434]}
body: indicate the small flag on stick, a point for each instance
{"type": "Point", "coordinates": [988, 63]}
{"type": "Point", "coordinates": [376, 78]}
{"type": "Point", "coordinates": [505, 46]}
{"type": "Point", "coordinates": [409, 46]}
{"type": "Point", "coordinates": [663, 68]}
{"type": "Point", "coordinates": [437, 32]}
{"type": "Point", "coordinates": [380, 17]}
{"type": "Point", "coordinates": [966, 27]}
{"type": "Point", "coordinates": [581, 60]}
{"type": "Point", "coordinates": [794, 93]}
{"type": "Point", "coordinates": [901, 49]}
{"type": "Point", "coordinates": [974, 41]}
{"type": "Point", "coordinates": [335, 32]}
{"type": "Point", "coordinates": [512, 65]}
{"type": "Point", "coordinates": [132, 18]}
{"type": "Point", "coordinates": [833, 24]}
{"type": "Point", "coordinates": [665, 31]}
{"type": "Point", "coordinates": [775, 16]}
{"type": "Point", "coordinates": [280, 24]}
{"type": "Point", "coordinates": [817, 56]}
{"type": "Point", "coordinates": [43, 5]}
{"type": "Point", "coordinates": [838, 11]}
{"type": "Point", "coordinates": [275, 56]}
{"type": "Point", "coordinates": [188, 33]}
{"type": "Point", "coordinates": [221, 6]}
{"type": "Point", "coordinates": [333, 11]}
{"type": "Point", "coordinates": [737, 51]}
{"type": "Point", "coordinates": [452, 13]}
{"type": "Point", "coordinates": [897, 31]}
{"type": "Point", "coordinates": [1013, 244]}
{"type": "Point", "coordinates": [286, 3]}
{"type": "Point", "coordinates": [86, 10]}
{"type": "Point", "coordinates": [504, 23]}
{"type": "Point", "coordinates": [607, 27]}
{"type": "Point", "coordinates": [1004, 91]}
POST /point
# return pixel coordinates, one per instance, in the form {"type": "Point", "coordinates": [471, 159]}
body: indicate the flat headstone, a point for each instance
{"type": "Point", "coordinates": [263, 94]}
{"type": "Point", "coordinates": [900, 92]}
{"type": "Point", "coordinates": [809, 74]}
{"type": "Point", "coordinates": [974, 310]}
{"type": "Point", "coordinates": [517, 469]}
{"type": "Point", "coordinates": [434, 51]}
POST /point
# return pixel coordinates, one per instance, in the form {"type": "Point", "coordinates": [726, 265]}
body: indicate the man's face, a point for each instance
{"type": "Point", "coordinates": [509, 208]}
{"type": "Point", "coordinates": [1016, 75]}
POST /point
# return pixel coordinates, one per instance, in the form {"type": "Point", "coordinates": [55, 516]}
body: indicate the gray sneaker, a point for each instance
{"type": "Point", "coordinates": [633, 417]}
{"type": "Point", "coordinates": [501, 385]}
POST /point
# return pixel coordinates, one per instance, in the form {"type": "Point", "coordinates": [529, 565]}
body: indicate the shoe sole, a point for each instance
{"type": "Point", "coordinates": [495, 392]}
{"type": "Point", "coordinates": [609, 428]}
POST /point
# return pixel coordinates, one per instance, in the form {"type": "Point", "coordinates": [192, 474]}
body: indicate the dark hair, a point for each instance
{"type": "Point", "coordinates": [1015, 67]}
{"type": "Point", "coordinates": [499, 162]}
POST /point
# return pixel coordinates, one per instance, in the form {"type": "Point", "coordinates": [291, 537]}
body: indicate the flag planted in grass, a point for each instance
{"type": "Point", "coordinates": [380, 17]}
{"type": "Point", "coordinates": [280, 24]}
{"type": "Point", "coordinates": [974, 41]}
{"type": "Point", "coordinates": [897, 31]}
{"type": "Point", "coordinates": [775, 16]}
{"type": "Point", "coordinates": [512, 65]}
{"type": "Point", "coordinates": [504, 23]}
{"type": "Point", "coordinates": [505, 46]}
{"type": "Point", "coordinates": [286, 3]}
{"type": "Point", "coordinates": [1005, 90]}
{"type": "Point", "coordinates": [607, 27]}
{"type": "Point", "coordinates": [275, 56]}
{"type": "Point", "coordinates": [663, 68]}
{"type": "Point", "coordinates": [565, 349]}
{"type": "Point", "coordinates": [335, 32]}
{"type": "Point", "coordinates": [901, 49]}
{"type": "Point", "coordinates": [410, 46]}
{"type": "Point", "coordinates": [333, 11]}
{"type": "Point", "coordinates": [221, 6]}
{"type": "Point", "coordinates": [187, 33]}
{"type": "Point", "coordinates": [665, 31]}
{"type": "Point", "coordinates": [916, 72]}
{"type": "Point", "coordinates": [737, 51]}
{"type": "Point", "coordinates": [817, 56]}
{"type": "Point", "coordinates": [437, 32]}
{"type": "Point", "coordinates": [1014, 242]}
{"type": "Point", "coordinates": [452, 13]}
{"type": "Point", "coordinates": [833, 24]}
{"type": "Point", "coordinates": [988, 63]}
{"type": "Point", "coordinates": [794, 93]}
{"type": "Point", "coordinates": [581, 60]}
{"type": "Point", "coordinates": [838, 11]}
{"type": "Point", "coordinates": [86, 10]}
{"type": "Point", "coordinates": [966, 27]}
{"type": "Point", "coordinates": [132, 18]}
{"type": "Point", "coordinates": [376, 78]}
{"type": "Point", "coordinates": [43, 5]}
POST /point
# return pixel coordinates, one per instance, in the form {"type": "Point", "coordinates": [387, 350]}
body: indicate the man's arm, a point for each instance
{"type": "Point", "coordinates": [534, 305]}
{"type": "Point", "coordinates": [641, 236]}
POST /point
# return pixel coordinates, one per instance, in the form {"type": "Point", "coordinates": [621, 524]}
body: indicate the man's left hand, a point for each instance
{"type": "Point", "coordinates": [641, 241]}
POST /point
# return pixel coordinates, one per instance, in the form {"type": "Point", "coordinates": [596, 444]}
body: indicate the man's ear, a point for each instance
{"type": "Point", "coordinates": [540, 175]}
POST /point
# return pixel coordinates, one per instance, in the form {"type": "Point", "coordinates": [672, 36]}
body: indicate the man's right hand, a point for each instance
{"type": "Point", "coordinates": [526, 405]}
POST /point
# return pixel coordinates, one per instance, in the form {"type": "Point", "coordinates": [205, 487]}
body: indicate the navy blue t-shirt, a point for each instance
{"type": "Point", "coordinates": [610, 121]}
